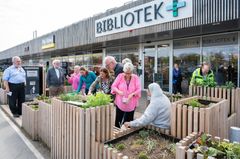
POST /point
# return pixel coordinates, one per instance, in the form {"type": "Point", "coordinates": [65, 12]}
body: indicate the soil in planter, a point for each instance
{"type": "Point", "coordinates": [146, 143]}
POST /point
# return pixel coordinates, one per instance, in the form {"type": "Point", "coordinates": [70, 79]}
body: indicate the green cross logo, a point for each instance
{"type": "Point", "coordinates": [175, 6]}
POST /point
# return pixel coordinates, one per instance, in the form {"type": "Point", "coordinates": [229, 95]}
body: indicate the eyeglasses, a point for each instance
{"type": "Point", "coordinates": [107, 65]}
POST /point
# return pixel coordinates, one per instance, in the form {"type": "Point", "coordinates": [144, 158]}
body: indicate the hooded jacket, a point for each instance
{"type": "Point", "coordinates": [158, 111]}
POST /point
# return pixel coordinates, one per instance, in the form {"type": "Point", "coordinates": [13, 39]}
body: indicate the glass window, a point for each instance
{"type": "Point", "coordinates": [221, 51]}
{"type": "Point", "coordinates": [187, 55]}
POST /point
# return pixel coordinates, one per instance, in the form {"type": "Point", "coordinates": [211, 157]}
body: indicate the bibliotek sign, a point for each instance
{"type": "Point", "coordinates": [152, 13]}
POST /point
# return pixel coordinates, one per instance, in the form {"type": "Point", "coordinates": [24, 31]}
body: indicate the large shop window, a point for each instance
{"type": "Point", "coordinates": [121, 53]}
{"type": "Point", "coordinates": [187, 54]}
{"type": "Point", "coordinates": [222, 53]}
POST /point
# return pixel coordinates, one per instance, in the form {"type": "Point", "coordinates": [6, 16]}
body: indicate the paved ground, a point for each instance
{"type": "Point", "coordinates": [14, 144]}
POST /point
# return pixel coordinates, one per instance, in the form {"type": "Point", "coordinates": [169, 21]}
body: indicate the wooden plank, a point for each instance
{"type": "Point", "coordinates": [195, 122]}
{"type": "Point", "coordinates": [112, 120]}
{"type": "Point", "coordinates": [190, 120]}
{"type": "Point", "coordinates": [190, 154]}
{"type": "Point", "coordinates": [107, 123]}
{"type": "Point", "coordinates": [184, 122]}
{"type": "Point", "coordinates": [103, 115]}
{"type": "Point", "coordinates": [74, 131]}
{"type": "Point", "coordinates": [212, 92]}
{"type": "Point", "coordinates": [98, 124]}
{"type": "Point", "coordinates": [93, 137]}
{"type": "Point", "coordinates": [179, 121]}
{"type": "Point", "coordinates": [190, 91]}
{"type": "Point", "coordinates": [87, 133]}
{"type": "Point", "coordinates": [233, 96]}
{"type": "Point", "coordinates": [207, 120]}
{"type": "Point", "coordinates": [77, 133]}
{"type": "Point", "coordinates": [202, 120]}
{"type": "Point", "coordinates": [229, 100]}
{"type": "Point", "coordinates": [216, 92]}
{"type": "Point", "coordinates": [81, 133]}
{"type": "Point", "coordinates": [174, 120]}
{"type": "Point", "coordinates": [220, 91]}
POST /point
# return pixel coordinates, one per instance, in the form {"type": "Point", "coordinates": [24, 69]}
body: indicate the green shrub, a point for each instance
{"type": "Point", "coordinates": [120, 147]}
{"type": "Point", "coordinates": [142, 155]}
{"type": "Point", "coordinates": [143, 134]}
{"type": "Point", "coordinates": [97, 100]}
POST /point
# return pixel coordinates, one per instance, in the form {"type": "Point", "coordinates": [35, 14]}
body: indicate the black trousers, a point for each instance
{"type": "Point", "coordinates": [177, 88]}
{"type": "Point", "coordinates": [122, 117]}
{"type": "Point", "coordinates": [17, 98]}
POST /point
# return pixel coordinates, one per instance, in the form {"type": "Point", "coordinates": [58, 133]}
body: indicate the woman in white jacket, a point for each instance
{"type": "Point", "coordinates": [158, 111]}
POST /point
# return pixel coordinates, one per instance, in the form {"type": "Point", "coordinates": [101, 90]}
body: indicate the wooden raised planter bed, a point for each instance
{"type": "Point", "coordinates": [30, 119]}
{"type": "Point", "coordinates": [187, 119]}
{"type": "Point", "coordinates": [3, 97]}
{"type": "Point", "coordinates": [184, 151]}
{"type": "Point", "coordinates": [106, 151]}
{"type": "Point", "coordinates": [44, 122]}
{"type": "Point", "coordinates": [75, 130]}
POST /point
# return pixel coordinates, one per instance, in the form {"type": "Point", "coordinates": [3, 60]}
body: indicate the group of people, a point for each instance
{"type": "Point", "coordinates": [121, 82]}
{"type": "Point", "coordinates": [117, 79]}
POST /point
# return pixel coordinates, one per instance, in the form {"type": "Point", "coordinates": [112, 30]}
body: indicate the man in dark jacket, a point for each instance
{"type": "Point", "coordinates": [55, 79]}
{"type": "Point", "coordinates": [112, 65]}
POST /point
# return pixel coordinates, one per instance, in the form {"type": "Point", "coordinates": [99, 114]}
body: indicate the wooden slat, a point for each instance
{"type": "Point", "coordinates": [93, 137]}
{"type": "Point", "coordinates": [81, 133]}
{"type": "Point", "coordinates": [103, 115]}
{"type": "Point", "coordinates": [107, 123]}
{"type": "Point", "coordinates": [184, 122]}
{"type": "Point", "coordinates": [195, 122]}
{"type": "Point", "coordinates": [87, 134]}
{"type": "Point", "coordinates": [174, 120]}
{"type": "Point", "coordinates": [190, 120]}
{"type": "Point", "coordinates": [202, 120]}
{"type": "Point", "coordinates": [179, 121]}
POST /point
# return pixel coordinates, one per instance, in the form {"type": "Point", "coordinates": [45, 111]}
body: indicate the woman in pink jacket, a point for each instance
{"type": "Point", "coordinates": [74, 78]}
{"type": "Point", "coordinates": [127, 89]}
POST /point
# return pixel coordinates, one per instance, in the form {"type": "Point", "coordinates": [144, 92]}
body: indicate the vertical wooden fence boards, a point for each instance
{"type": "Point", "coordinates": [183, 151]}
{"type": "Point", "coordinates": [217, 92]}
{"type": "Point", "coordinates": [75, 130]}
{"type": "Point", "coordinates": [44, 123]}
{"type": "Point", "coordinates": [3, 97]}
{"type": "Point", "coordinates": [186, 119]}
{"type": "Point", "coordinates": [30, 121]}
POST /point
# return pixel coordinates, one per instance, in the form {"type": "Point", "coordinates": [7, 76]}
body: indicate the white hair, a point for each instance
{"type": "Point", "coordinates": [128, 66]}
{"type": "Point", "coordinates": [77, 67]}
{"type": "Point", "coordinates": [126, 60]}
{"type": "Point", "coordinates": [15, 58]}
{"type": "Point", "coordinates": [109, 58]}
{"type": "Point", "coordinates": [56, 61]}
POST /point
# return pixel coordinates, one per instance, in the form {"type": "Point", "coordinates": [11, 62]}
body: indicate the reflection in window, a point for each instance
{"type": "Point", "coordinates": [187, 55]}
{"type": "Point", "coordinates": [223, 60]}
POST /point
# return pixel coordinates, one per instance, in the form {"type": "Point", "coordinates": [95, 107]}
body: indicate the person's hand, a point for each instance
{"type": "Point", "coordinates": [127, 124]}
{"type": "Point", "coordinates": [130, 96]}
{"type": "Point", "coordinates": [67, 77]}
{"type": "Point", "coordinates": [120, 93]}
{"type": "Point", "coordinates": [89, 93]}
{"type": "Point", "coordinates": [7, 90]}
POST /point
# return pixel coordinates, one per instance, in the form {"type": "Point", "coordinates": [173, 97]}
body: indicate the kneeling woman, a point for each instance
{"type": "Point", "coordinates": [158, 111]}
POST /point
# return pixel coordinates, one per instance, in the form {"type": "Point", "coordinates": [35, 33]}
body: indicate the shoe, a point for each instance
{"type": "Point", "coordinates": [15, 115]}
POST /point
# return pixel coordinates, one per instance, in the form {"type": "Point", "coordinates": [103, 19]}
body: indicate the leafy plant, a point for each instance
{"type": "Point", "coordinates": [34, 107]}
{"type": "Point", "coordinates": [97, 100]}
{"type": "Point", "coordinates": [151, 145]}
{"type": "Point", "coordinates": [139, 142]}
{"type": "Point", "coordinates": [172, 148]}
{"type": "Point", "coordinates": [120, 147]}
{"type": "Point", "coordinates": [229, 85]}
{"type": "Point", "coordinates": [143, 134]}
{"type": "Point", "coordinates": [142, 155]}
{"type": "Point", "coordinates": [71, 97]}
{"type": "Point", "coordinates": [194, 103]}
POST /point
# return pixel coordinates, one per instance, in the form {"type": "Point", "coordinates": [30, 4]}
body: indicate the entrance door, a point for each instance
{"type": "Point", "coordinates": [157, 65]}
{"type": "Point", "coordinates": [149, 65]}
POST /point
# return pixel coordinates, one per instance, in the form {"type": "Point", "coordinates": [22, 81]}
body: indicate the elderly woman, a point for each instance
{"type": "Point", "coordinates": [158, 111]}
{"type": "Point", "coordinates": [127, 89]}
{"type": "Point", "coordinates": [74, 78]}
{"type": "Point", "coordinates": [87, 77]}
{"type": "Point", "coordinates": [103, 81]}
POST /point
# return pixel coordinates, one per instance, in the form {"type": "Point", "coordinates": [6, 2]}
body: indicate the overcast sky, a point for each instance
{"type": "Point", "coordinates": [19, 18]}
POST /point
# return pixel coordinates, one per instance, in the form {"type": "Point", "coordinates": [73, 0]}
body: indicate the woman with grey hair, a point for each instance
{"type": "Point", "coordinates": [127, 89]}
